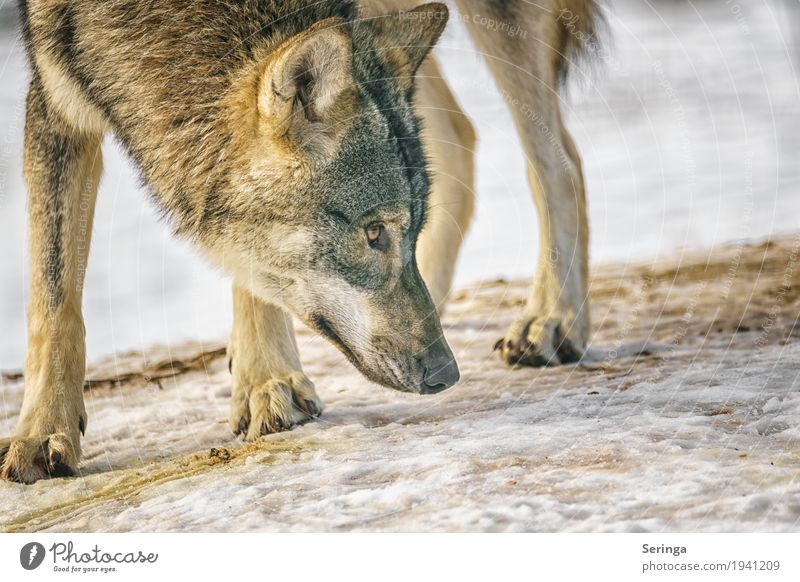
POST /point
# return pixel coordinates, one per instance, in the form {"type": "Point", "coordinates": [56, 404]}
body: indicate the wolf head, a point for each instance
{"type": "Point", "coordinates": [330, 193]}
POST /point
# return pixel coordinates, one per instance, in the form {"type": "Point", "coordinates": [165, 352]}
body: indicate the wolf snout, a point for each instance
{"type": "Point", "coordinates": [440, 374]}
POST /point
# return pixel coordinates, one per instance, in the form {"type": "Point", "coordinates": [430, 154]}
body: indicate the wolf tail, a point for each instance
{"type": "Point", "coordinates": [581, 24]}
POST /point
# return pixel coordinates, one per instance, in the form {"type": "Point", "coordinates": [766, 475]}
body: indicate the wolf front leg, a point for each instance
{"type": "Point", "coordinates": [270, 391]}
{"type": "Point", "coordinates": [62, 168]}
{"type": "Point", "coordinates": [554, 324]}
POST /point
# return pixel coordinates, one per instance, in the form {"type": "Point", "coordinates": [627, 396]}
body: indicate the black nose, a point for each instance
{"type": "Point", "coordinates": [440, 374]}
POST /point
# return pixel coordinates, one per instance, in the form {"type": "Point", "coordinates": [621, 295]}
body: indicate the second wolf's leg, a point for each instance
{"type": "Point", "coordinates": [554, 325]}
{"type": "Point", "coordinates": [270, 391]}
{"type": "Point", "coordinates": [449, 141]}
{"type": "Point", "coordinates": [62, 168]}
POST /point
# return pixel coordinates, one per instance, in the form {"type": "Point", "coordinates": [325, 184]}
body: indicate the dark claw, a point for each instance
{"type": "Point", "coordinates": [523, 355]}
{"type": "Point", "coordinates": [61, 470]}
{"type": "Point", "coordinates": [528, 350]}
{"type": "Point", "coordinates": [498, 345]}
{"type": "Point", "coordinates": [13, 475]}
{"type": "Point", "coordinates": [567, 352]}
{"type": "Point", "coordinates": [312, 408]}
{"type": "Point", "coordinates": [264, 429]}
{"type": "Point", "coordinates": [565, 349]}
{"type": "Point", "coordinates": [242, 426]}
{"type": "Point", "coordinates": [82, 425]}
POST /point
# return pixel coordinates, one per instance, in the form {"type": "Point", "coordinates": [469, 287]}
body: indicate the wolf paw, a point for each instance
{"type": "Point", "coordinates": [28, 459]}
{"type": "Point", "coordinates": [538, 342]}
{"type": "Point", "coordinates": [274, 406]}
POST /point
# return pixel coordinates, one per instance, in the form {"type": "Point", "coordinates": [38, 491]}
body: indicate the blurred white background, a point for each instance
{"type": "Point", "coordinates": [689, 131]}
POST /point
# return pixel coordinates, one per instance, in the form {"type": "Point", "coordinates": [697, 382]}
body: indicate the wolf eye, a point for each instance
{"type": "Point", "coordinates": [376, 236]}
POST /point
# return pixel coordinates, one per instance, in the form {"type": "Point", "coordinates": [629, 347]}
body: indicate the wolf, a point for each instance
{"type": "Point", "coordinates": [312, 151]}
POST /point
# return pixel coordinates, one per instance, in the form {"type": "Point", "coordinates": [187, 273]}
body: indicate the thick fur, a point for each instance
{"type": "Point", "coordinates": [276, 136]}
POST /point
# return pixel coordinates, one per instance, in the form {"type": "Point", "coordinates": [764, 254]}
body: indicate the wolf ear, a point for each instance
{"type": "Point", "coordinates": [407, 37]}
{"type": "Point", "coordinates": [302, 84]}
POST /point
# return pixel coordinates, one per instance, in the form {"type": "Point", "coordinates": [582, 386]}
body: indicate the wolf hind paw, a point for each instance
{"type": "Point", "coordinates": [535, 342]}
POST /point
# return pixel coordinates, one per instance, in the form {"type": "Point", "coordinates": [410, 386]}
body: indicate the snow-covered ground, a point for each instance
{"type": "Point", "coordinates": [690, 132]}
{"type": "Point", "coordinates": [686, 417]}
